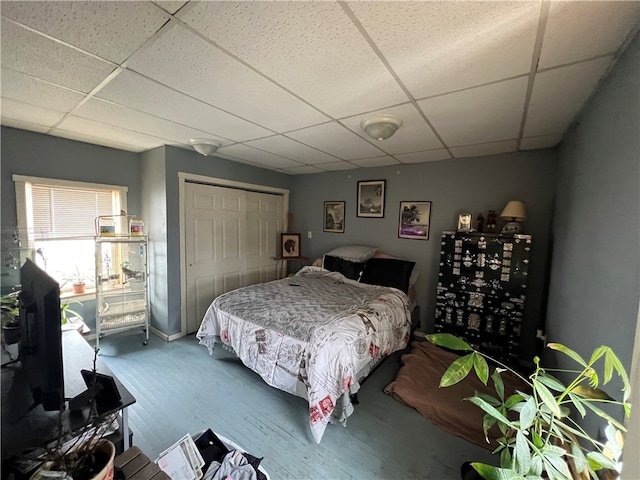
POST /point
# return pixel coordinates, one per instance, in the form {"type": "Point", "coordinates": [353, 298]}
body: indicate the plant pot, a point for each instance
{"type": "Point", "coordinates": [78, 287]}
{"type": "Point", "coordinates": [11, 333]}
{"type": "Point", "coordinates": [105, 452]}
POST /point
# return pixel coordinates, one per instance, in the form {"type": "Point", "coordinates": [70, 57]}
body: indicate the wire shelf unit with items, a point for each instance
{"type": "Point", "coordinates": [122, 293]}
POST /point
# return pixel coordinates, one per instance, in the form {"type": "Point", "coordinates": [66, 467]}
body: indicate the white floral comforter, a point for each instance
{"type": "Point", "coordinates": [313, 335]}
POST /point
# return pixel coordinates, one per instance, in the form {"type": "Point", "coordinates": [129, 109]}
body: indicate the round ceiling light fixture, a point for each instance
{"type": "Point", "coordinates": [205, 146]}
{"type": "Point", "coordinates": [381, 127]}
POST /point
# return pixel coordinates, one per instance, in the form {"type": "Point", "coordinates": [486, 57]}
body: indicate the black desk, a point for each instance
{"type": "Point", "coordinates": [38, 426]}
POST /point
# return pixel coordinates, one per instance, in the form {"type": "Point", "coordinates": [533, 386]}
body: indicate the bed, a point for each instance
{"type": "Point", "coordinates": [315, 335]}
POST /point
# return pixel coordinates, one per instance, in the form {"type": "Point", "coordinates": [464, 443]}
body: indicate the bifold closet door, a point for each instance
{"type": "Point", "coordinates": [230, 242]}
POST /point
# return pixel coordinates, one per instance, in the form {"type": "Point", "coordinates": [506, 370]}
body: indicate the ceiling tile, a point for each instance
{"type": "Point", "coordinates": [559, 93]}
{"type": "Point", "coordinates": [29, 113]}
{"type": "Point", "coordinates": [38, 56]}
{"type": "Point", "coordinates": [219, 80]}
{"type": "Point", "coordinates": [300, 170]}
{"type": "Point", "coordinates": [336, 140]}
{"type": "Point", "coordinates": [581, 30]}
{"type": "Point", "coordinates": [140, 93]}
{"type": "Point", "coordinates": [84, 126]}
{"type": "Point", "coordinates": [543, 141]}
{"type": "Point", "coordinates": [38, 92]}
{"type": "Point", "coordinates": [483, 149]}
{"type": "Point", "coordinates": [259, 157]}
{"type": "Point", "coordinates": [419, 157]}
{"type": "Point", "coordinates": [281, 145]}
{"type": "Point", "coordinates": [103, 111]}
{"type": "Point", "coordinates": [111, 30]}
{"type": "Point", "coordinates": [33, 127]}
{"type": "Point", "coordinates": [414, 134]}
{"type": "Point", "coordinates": [336, 166]}
{"type": "Point", "coordinates": [302, 47]}
{"type": "Point", "coordinates": [82, 137]}
{"type": "Point", "coordinates": [438, 47]}
{"type": "Point", "coordinates": [382, 161]}
{"type": "Point", "coordinates": [169, 6]}
{"type": "Point", "coordinates": [478, 115]}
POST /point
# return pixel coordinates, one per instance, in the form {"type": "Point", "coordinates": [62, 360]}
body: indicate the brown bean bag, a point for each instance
{"type": "Point", "coordinates": [417, 386]}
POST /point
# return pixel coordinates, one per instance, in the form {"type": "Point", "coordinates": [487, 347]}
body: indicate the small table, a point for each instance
{"type": "Point", "coordinates": [135, 465]}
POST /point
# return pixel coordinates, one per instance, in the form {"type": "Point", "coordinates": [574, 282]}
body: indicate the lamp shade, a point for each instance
{"type": "Point", "coordinates": [381, 127]}
{"type": "Point", "coordinates": [205, 146]}
{"type": "Point", "coordinates": [515, 211]}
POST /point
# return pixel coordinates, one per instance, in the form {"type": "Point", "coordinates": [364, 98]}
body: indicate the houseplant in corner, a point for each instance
{"type": "Point", "coordinates": [539, 437]}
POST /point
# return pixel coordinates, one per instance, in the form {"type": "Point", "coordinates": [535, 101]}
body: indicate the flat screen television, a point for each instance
{"type": "Point", "coordinates": [40, 346]}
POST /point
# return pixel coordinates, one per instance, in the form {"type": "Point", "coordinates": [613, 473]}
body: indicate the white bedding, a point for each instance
{"type": "Point", "coordinates": [313, 335]}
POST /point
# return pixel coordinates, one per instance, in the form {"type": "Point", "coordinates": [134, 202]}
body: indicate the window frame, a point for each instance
{"type": "Point", "coordinates": [24, 210]}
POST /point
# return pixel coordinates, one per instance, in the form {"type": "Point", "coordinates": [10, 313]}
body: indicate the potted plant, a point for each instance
{"type": "Point", "coordinates": [78, 281]}
{"type": "Point", "coordinates": [539, 437]}
{"type": "Point", "coordinates": [10, 318]}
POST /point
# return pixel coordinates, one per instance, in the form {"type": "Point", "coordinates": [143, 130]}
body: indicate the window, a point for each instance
{"type": "Point", "coordinates": [59, 218]}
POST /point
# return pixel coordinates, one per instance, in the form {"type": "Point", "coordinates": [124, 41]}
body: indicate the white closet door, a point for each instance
{"type": "Point", "coordinates": [264, 224]}
{"type": "Point", "coordinates": [230, 242]}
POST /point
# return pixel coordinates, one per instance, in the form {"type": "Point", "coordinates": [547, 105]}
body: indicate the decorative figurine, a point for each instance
{"type": "Point", "coordinates": [492, 222]}
{"type": "Point", "coordinates": [480, 222]}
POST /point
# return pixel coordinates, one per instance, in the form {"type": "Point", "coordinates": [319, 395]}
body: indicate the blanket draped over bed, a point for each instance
{"type": "Point", "coordinates": [313, 335]}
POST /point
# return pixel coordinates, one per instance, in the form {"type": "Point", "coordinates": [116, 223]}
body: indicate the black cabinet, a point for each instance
{"type": "Point", "coordinates": [482, 288]}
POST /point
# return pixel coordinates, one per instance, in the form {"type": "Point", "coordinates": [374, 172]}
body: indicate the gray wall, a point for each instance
{"type": "Point", "coordinates": [595, 279]}
{"type": "Point", "coordinates": [453, 186]}
{"type": "Point", "coordinates": [181, 160]}
{"type": "Point", "coordinates": [38, 155]}
{"type": "Point", "coordinates": [154, 213]}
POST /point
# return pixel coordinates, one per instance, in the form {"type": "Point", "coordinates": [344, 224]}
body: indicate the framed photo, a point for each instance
{"type": "Point", "coordinates": [333, 217]}
{"type": "Point", "coordinates": [414, 220]}
{"type": "Point", "coordinates": [371, 198]}
{"type": "Point", "coordinates": [464, 222]}
{"type": "Point", "coordinates": [290, 243]}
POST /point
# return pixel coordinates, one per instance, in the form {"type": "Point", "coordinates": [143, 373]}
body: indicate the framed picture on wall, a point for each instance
{"type": "Point", "coordinates": [290, 243]}
{"type": "Point", "coordinates": [371, 198]}
{"type": "Point", "coordinates": [414, 220]}
{"type": "Point", "coordinates": [333, 219]}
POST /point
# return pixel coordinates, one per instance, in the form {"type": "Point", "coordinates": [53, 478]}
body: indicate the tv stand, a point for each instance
{"type": "Point", "coordinates": [38, 427]}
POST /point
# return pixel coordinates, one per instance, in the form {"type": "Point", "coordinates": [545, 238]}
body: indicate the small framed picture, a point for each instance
{"type": "Point", "coordinates": [414, 220]}
{"type": "Point", "coordinates": [333, 217]}
{"type": "Point", "coordinates": [290, 243]}
{"type": "Point", "coordinates": [464, 222]}
{"type": "Point", "coordinates": [371, 198]}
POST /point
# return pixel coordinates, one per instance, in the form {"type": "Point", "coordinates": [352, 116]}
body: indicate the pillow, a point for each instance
{"type": "Point", "coordinates": [388, 272]}
{"type": "Point", "coordinates": [348, 268]}
{"type": "Point", "coordinates": [414, 273]}
{"type": "Point", "coordinates": [354, 253]}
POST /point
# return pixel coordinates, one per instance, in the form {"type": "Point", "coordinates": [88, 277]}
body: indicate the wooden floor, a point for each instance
{"type": "Point", "coordinates": [181, 389]}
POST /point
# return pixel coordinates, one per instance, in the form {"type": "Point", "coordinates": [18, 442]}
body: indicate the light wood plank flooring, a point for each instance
{"type": "Point", "coordinates": [180, 388]}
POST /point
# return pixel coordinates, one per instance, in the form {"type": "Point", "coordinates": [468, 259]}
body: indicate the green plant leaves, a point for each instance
{"type": "Point", "coordinates": [498, 384]}
{"type": "Point", "coordinates": [522, 453]}
{"type": "Point", "coordinates": [547, 398]}
{"type": "Point", "coordinates": [447, 340]}
{"type": "Point", "coordinates": [592, 393]}
{"type": "Point", "coordinates": [490, 410]}
{"type": "Point", "coordinates": [568, 352]}
{"type": "Point", "coordinates": [481, 368]}
{"type": "Point", "coordinates": [489, 472]}
{"type": "Point", "coordinates": [459, 369]}
{"type": "Point", "coordinates": [528, 413]}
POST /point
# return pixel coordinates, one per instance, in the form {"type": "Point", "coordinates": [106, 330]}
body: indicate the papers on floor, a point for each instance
{"type": "Point", "coordinates": [182, 460]}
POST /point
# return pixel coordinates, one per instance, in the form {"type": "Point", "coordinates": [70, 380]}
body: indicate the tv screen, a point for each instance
{"type": "Point", "coordinates": [40, 347]}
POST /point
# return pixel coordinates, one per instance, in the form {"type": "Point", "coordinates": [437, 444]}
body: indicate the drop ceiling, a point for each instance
{"type": "Point", "coordinates": [286, 85]}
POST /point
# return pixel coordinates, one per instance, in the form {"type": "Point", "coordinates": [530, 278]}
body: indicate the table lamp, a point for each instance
{"type": "Point", "coordinates": [513, 213]}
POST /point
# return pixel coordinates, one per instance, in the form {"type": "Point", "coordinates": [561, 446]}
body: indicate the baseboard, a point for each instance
{"type": "Point", "coordinates": [164, 336]}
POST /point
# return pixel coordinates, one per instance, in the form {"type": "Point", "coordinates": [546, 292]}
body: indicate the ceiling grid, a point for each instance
{"type": "Point", "coordinates": [286, 85]}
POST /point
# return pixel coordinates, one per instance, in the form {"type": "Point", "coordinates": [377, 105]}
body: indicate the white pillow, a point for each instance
{"type": "Point", "coordinates": [354, 253]}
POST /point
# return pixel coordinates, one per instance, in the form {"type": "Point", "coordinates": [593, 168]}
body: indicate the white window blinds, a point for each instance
{"type": "Point", "coordinates": [60, 212]}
